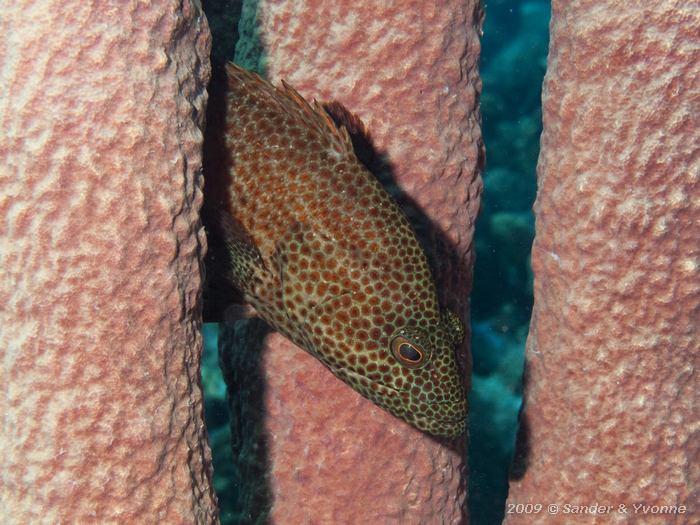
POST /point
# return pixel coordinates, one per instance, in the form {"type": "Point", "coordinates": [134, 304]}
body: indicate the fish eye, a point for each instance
{"type": "Point", "coordinates": [408, 353]}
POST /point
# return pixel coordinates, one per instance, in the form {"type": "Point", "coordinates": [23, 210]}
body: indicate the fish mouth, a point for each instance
{"type": "Point", "coordinates": [375, 386]}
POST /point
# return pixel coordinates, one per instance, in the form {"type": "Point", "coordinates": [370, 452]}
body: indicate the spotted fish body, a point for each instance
{"type": "Point", "coordinates": [326, 257]}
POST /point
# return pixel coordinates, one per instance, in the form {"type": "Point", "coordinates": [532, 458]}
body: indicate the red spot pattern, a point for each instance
{"type": "Point", "coordinates": [343, 271]}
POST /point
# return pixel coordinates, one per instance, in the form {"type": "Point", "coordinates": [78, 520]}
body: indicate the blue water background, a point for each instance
{"type": "Point", "coordinates": [514, 52]}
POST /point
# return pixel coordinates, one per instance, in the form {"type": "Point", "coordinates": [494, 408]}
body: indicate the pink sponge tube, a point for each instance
{"type": "Point", "coordinates": [102, 113]}
{"type": "Point", "coordinates": [612, 400]}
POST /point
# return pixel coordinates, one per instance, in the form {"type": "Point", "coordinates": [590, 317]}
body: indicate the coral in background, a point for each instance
{"type": "Point", "coordinates": [514, 50]}
{"type": "Point", "coordinates": [100, 188]}
{"type": "Point", "coordinates": [512, 67]}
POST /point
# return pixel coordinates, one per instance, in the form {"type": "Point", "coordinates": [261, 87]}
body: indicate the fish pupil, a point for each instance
{"type": "Point", "coordinates": [409, 353]}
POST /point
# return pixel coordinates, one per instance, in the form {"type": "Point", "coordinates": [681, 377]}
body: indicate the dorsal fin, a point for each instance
{"type": "Point", "coordinates": [316, 110]}
{"type": "Point", "coordinates": [291, 102]}
{"type": "Point", "coordinates": [345, 119]}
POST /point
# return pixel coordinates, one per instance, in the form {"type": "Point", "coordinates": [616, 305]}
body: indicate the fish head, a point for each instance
{"type": "Point", "coordinates": [413, 372]}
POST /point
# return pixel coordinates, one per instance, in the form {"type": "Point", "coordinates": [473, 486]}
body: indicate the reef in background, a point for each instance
{"type": "Point", "coordinates": [514, 52]}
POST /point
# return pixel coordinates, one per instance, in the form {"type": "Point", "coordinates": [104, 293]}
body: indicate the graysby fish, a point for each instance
{"type": "Point", "coordinates": [323, 254]}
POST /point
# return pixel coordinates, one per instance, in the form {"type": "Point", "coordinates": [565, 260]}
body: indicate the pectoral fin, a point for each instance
{"type": "Point", "coordinates": [247, 269]}
{"type": "Point", "coordinates": [238, 312]}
